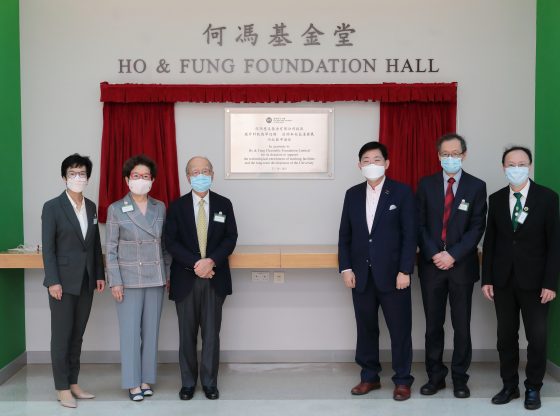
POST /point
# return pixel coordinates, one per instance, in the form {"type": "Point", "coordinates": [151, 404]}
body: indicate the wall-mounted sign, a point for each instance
{"type": "Point", "coordinates": [279, 143]}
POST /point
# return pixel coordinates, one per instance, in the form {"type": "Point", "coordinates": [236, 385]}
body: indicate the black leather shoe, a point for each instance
{"type": "Point", "coordinates": [506, 395]}
{"type": "Point", "coordinates": [532, 399]}
{"type": "Point", "coordinates": [186, 393]}
{"type": "Point", "coordinates": [211, 393]}
{"type": "Point", "coordinates": [431, 388]}
{"type": "Point", "coordinates": [461, 390]}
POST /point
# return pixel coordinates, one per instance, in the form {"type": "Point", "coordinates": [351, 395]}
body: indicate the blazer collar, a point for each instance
{"type": "Point", "coordinates": [68, 210]}
{"type": "Point", "coordinates": [145, 222]}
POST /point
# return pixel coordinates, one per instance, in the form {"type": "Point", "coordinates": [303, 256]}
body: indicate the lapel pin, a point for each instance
{"type": "Point", "coordinates": [386, 192]}
{"type": "Point", "coordinates": [526, 209]}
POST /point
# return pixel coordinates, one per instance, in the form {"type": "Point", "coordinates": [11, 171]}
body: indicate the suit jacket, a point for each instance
{"type": "Point", "coordinates": [390, 248]}
{"type": "Point", "coordinates": [67, 255]}
{"type": "Point", "coordinates": [182, 243]}
{"type": "Point", "coordinates": [531, 254]}
{"type": "Point", "coordinates": [136, 255]}
{"type": "Point", "coordinates": [464, 228]}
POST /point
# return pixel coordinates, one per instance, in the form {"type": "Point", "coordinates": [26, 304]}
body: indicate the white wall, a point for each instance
{"type": "Point", "coordinates": [68, 47]}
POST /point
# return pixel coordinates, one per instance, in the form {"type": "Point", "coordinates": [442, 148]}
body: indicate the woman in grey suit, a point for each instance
{"type": "Point", "coordinates": [73, 270]}
{"type": "Point", "coordinates": [137, 270]}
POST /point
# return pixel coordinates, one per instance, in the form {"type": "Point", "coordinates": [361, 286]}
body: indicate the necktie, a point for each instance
{"type": "Point", "coordinates": [516, 210]}
{"type": "Point", "coordinates": [447, 208]}
{"type": "Point", "coordinates": [201, 228]}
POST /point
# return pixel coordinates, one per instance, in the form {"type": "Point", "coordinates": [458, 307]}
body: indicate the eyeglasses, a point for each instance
{"type": "Point", "coordinates": [197, 172]}
{"type": "Point", "coordinates": [518, 165]}
{"type": "Point", "coordinates": [146, 176]}
{"type": "Point", "coordinates": [73, 174]}
{"type": "Point", "coordinates": [457, 154]}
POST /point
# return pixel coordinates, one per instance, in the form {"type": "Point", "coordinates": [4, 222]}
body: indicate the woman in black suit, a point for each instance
{"type": "Point", "coordinates": [73, 270]}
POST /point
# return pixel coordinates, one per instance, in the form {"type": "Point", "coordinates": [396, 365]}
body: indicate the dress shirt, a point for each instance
{"type": "Point", "coordinates": [372, 199]}
{"type": "Point", "coordinates": [81, 214]}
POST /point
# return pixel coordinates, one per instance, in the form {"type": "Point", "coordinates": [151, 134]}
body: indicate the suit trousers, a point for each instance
{"type": "Point", "coordinates": [69, 317]}
{"type": "Point", "coordinates": [201, 308]}
{"type": "Point", "coordinates": [509, 301]}
{"type": "Point", "coordinates": [397, 309]}
{"type": "Point", "coordinates": [139, 315]}
{"type": "Point", "coordinates": [437, 287]}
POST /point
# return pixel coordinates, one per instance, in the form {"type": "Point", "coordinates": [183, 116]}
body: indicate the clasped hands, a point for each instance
{"type": "Point", "coordinates": [204, 268]}
{"type": "Point", "coordinates": [443, 260]}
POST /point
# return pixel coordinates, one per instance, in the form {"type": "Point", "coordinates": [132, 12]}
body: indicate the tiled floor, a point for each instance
{"type": "Point", "coordinates": [264, 389]}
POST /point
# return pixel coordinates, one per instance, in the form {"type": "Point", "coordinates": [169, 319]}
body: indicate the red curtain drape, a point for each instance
{"type": "Point", "coordinates": [275, 93]}
{"type": "Point", "coordinates": [410, 131]}
{"type": "Point", "coordinates": [131, 129]}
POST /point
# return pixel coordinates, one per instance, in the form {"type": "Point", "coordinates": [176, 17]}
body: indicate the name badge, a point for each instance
{"type": "Point", "coordinates": [219, 217]}
{"type": "Point", "coordinates": [127, 208]}
{"type": "Point", "coordinates": [464, 206]}
{"type": "Point", "coordinates": [522, 217]}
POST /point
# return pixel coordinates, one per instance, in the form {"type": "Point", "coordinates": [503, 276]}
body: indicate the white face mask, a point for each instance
{"type": "Point", "coordinates": [76, 184]}
{"type": "Point", "coordinates": [373, 171]}
{"type": "Point", "coordinates": [139, 186]}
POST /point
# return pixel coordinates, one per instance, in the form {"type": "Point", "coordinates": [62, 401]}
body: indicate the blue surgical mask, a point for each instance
{"type": "Point", "coordinates": [517, 175]}
{"type": "Point", "coordinates": [451, 164]}
{"type": "Point", "coordinates": [201, 183]}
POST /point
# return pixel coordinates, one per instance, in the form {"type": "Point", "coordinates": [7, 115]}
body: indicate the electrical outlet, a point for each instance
{"type": "Point", "coordinates": [278, 277]}
{"type": "Point", "coordinates": [260, 276]}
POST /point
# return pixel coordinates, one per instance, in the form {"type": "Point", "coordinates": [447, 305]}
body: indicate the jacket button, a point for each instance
{"type": "Point", "coordinates": [140, 263]}
{"type": "Point", "coordinates": [139, 242]}
{"type": "Point", "coordinates": [514, 242]}
{"type": "Point", "coordinates": [370, 240]}
{"type": "Point", "coordinates": [367, 261]}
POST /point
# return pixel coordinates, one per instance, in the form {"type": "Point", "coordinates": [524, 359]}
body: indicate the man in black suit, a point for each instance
{"type": "Point", "coordinates": [451, 208]}
{"type": "Point", "coordinates": [200, 233]}
{"type": "Point", "coordinates": [520, 268]}
{"type": "Point", "coordinates": [376, 253]}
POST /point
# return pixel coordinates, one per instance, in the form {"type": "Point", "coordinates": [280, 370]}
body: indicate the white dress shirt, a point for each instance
{"type": "Point", "coordinates": [372, 200]}
{"type": "Point", "coordinates": [513, 199]}
{"type": "Point", "coordinates": [81, 214]}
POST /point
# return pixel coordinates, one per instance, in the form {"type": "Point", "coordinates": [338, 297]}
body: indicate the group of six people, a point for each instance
{"type": "Point", "coordinates": [186, 248]}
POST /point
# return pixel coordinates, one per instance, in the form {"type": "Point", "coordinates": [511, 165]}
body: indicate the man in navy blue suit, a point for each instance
{"type": "Point", "coordinates": [451, 209]}
{"type": "Point", "coordinates": [376, 253]}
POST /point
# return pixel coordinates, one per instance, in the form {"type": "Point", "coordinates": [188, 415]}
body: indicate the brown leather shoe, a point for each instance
{"type": "Point", "coordinates": [365, 387]}
{"type": "Point", "coordinates": [401, 393]}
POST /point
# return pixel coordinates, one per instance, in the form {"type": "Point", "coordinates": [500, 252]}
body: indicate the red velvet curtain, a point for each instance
{"type": "Point", "coordinates": [410, 131]}
{"type": "Point", "coordinates": [274, 93]}
{"type": "Point", "coordinates": [131, 129]}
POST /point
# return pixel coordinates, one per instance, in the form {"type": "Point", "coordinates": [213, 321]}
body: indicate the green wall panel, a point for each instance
{"type": "Point", "coordinates": [547, 133]}
{"type": "Point", "coordinates": [12, 324]}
